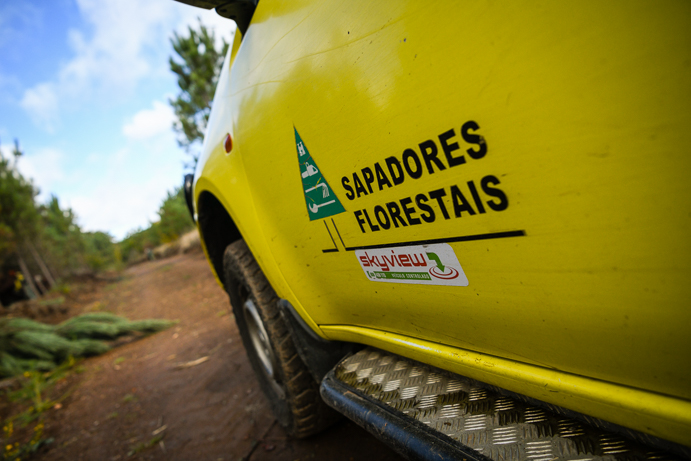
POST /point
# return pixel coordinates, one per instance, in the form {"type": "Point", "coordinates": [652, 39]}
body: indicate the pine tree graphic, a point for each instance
{"type": "Point", "coordinates": [320, 198]}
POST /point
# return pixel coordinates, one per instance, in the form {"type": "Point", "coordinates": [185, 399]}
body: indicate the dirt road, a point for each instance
{"type": "Point", "coordinates": [187, 393]}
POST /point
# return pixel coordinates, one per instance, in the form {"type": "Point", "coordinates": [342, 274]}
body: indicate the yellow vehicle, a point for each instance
{"type": "Point", "coordinates": [492, 197]}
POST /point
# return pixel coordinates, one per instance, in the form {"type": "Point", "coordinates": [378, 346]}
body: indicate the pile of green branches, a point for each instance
{"type": "Point", "coordinates": [27, 345]}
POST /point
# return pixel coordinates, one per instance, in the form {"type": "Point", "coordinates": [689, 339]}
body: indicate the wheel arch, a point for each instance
{"type": "Point", "coordinates": [217, 229]}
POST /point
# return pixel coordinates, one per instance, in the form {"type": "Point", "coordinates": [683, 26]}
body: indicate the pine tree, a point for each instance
{"type": "Point", "coordinates": [197, 69]}
{"type": "Point", "coordinates": [18, 214]}
{"type": "Point", "coordinates": [43, 239]}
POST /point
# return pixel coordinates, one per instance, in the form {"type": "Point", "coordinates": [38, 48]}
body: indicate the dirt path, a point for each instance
{"type": "Point", "coordinates": [138, 402]}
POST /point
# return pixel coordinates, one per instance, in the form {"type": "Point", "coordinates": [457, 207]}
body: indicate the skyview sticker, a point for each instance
{"type": "Point", "coordinates": [319, 197]}
{"type": "Point", "coordinates": [434, 264]}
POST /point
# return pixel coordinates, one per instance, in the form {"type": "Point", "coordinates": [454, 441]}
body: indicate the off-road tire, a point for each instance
{"type": "Point", "coordinates": [292, 392]}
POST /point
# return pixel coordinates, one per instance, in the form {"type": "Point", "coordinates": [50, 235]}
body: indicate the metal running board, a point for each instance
{"type": "Point", "coordinates": [426, 413]}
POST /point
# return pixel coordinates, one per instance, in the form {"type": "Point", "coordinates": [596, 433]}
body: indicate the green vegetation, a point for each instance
{"type": "Point", "coordinates": [19, 215]}
{"type": "Point", "coordinates": [100, 251]}
{"type": "Point", "coordinates": [32, 395]}
{"type": "Point", "coordinates": [129, 398]}
{"type": "Point", "coordinates": [43, 240]}
{"type": "Point", "coordinates": [145, 445]}
{"type": "Point", "coordinates": [174, 221]}
{"type": "Point", "coordinates": [31, 350]}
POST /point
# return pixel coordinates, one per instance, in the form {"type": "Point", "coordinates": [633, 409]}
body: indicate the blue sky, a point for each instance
{"type": "Point", "coordinates": [84, 86]}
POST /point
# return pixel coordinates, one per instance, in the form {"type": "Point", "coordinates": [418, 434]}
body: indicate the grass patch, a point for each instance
{"type": "Point", "coordinates": [63, 288]}
{"type": "Point", "coordinates": [17, 442]}
{"type": "Point", "coordinates": [145, 445]}
{"type": "Point", "coordinates": [52, 302]}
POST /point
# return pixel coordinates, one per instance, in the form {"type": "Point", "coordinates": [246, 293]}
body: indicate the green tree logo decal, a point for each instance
{"type": "Point", "coordinates": [319, 197]}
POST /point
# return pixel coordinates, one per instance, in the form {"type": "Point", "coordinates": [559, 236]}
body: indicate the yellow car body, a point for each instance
{"type": "Point", "coordinates": [543, 153]}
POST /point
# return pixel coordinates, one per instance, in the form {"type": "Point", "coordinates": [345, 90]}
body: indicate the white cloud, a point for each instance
{"type": "Point", "coordinates": [41, 103]}
{"type": "Point", "coordinates": [128, 41]}
{"type": "Point", "coordinates": [5, 151]}
{"type": "Point", "coordinates": [45, 168]}
{"type": "Point", "coordinates": [133, 205]}
{"type": "Point", "coordinates": [132, 184]}
{"type": "Point", "coordinates": [127, 34]}
{"type": "Point", "coordinates": [148, 123]}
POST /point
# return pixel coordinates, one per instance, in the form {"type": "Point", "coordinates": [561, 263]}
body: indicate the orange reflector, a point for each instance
{"type": "Point", "coordinates": [228, 143]}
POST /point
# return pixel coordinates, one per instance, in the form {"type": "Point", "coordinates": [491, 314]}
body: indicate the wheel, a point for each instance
{"type": "Point", "coordinates": [283, 377]}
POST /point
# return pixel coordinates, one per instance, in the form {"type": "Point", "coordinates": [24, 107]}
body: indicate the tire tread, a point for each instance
{"type": "Point", "coordinates": [302, 412]}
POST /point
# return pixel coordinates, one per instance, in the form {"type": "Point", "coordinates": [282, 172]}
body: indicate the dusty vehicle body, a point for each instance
{"type": "Point", "coordinates": [499, 191]}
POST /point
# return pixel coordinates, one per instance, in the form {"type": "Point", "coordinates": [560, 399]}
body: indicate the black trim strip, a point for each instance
{"type": "Point", "coordinates": [339, 234]}
{"type": "Point", "coordinates": [331, 250]}
{"type": "Point", "coordinates": [463, 238]}
{"type": "Point", "coordinates": [332, 239]}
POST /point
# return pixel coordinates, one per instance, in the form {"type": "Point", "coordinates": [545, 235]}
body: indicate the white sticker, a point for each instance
{"type": "Point", "coordinates": [434, 264]}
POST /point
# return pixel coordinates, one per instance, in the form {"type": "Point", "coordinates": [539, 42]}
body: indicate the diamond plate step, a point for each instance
{"type": "Point", "coordinates": [426, 413]}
